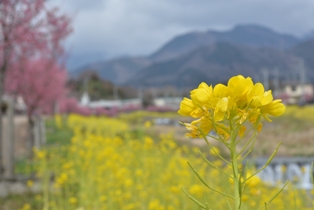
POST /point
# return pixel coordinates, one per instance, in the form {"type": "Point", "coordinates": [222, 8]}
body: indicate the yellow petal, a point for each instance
{"type": "Point", "coordinates": [267, 98]}
{"type": "Point", "coordinates": [275, 108]}
{"type": "Point", "coordinates": [240, 87]}
{"type": "Point", "coordinates": [257, 92]}
{"type": "Point", "coordinates": [186, 107]}
{"type": "Point", "coordinates": [218, 115]}
{"type": "Point", "coordinates": [220, 90]}
{"type": "Point", "coordinates": [234, 81]}
{"type": "Point", "coordinates": [222, 104]}
{"type": "Point", "coordinates": [198, 112]}
{"type": "Point", "coordinates": [206, 126]}
{"type": "Point", "coordinates": [203, 85]}
{"type": "Point", "coordinates": [266, 117]}
{"type": "Point", "coordinates": [200, 96]}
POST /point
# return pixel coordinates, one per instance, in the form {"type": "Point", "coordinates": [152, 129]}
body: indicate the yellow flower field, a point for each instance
{"type": "Point", "coordinates": [107, 167]}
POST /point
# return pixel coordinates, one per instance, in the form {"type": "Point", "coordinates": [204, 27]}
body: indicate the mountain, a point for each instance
{"type": "Point", "coordinates": [248, 35]}
{"type": "Point", "coordinates": [117, 70]}
{"type": "Point", "coordinates": [212, 56]}
{"type": "Point", "coordinates": [214, 63]}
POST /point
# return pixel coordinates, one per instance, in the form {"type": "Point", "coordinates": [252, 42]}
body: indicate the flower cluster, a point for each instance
{"type": "Point", "coordinates": [218, 108]}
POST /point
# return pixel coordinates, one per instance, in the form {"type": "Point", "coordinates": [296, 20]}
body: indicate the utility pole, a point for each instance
{"type": "Point", "coordinates": [115, 92]}
{"type": "Point", "coordinates": [139, 93]}
{"type": "Point", "coordinates": [276, 82]}
{"type": "Point", "coordinates": [265, 78]}
{"type": "Point", "coordinates": [302, 80]}
{"type": "Point", "coordinates": [85, 100]}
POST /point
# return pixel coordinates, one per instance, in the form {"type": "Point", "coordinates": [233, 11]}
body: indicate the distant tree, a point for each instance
{"type": "Point", "coordinates": [148, 99]}
{"type": "Point", "coordinates": [97, 87]}
{"type": "Point", "coordinates": [128, 92]}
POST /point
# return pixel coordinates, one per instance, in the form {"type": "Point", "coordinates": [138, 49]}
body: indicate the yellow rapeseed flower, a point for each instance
{"type": "Point", "coordinates": [29, 183]}
{"type": "Point", "coordinates": [148, 124]}
{"type": "Point", "coordinates": [73, 200]}
{"type": "Point", "coordinates": [238, 86]}
{"type": "Point", "coordinates": [214, 150]}
{"type": "Point", "coordinates": [253, 182]}
{"type": "Point", "coordinates": [26, 207]}
{"type": "Point", "coordinates": [203, 96]}
{"type": "Point", "coordinates": [198, 127]}
{"type": "Point", "coordinates": [196, 190]}
{"type": "Point", "coordinates": [239, 101]}
{"type": "Point", "coordinates": [257, 97]}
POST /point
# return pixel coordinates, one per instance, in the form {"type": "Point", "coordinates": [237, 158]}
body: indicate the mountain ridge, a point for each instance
{"type": "Point", "coordinates": [249, 35]}
{"type": "Point", "coordinates": [255, 40]}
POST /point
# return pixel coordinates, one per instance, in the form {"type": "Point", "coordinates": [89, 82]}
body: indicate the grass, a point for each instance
{"type": "Point", "coordinates": [57, 135]}
{"type": "Point", "coordinates": [17, 202]}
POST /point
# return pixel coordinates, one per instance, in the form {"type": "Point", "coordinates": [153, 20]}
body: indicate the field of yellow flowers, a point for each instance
{"type": "Point", "coordinates": [107, 165]}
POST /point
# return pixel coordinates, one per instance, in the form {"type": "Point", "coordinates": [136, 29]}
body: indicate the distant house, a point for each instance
{"type": "Point", "coordinates": [162, 102]}
{"type": "Point", "coordinates": [294, 93]}
{"type": "Point", "coordinates": [19, 104]}
{"type": "Point", "coordinates": [170, 102]}
{"type": "Point", "coordinates": [108, 104]}
{"type": "Point", "coordinates": [85, 99]}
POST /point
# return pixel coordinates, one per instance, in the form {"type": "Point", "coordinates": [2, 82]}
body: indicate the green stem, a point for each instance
{"type": "Point", "coordinates": [236, 174]}
{"type": "Point", "coordinates": [236, 180]}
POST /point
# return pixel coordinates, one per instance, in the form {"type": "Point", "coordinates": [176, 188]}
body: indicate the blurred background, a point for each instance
{"type": "Point", "coordinates": [66, 63]}
{"type": "Point", "coordinates": [145, 50]}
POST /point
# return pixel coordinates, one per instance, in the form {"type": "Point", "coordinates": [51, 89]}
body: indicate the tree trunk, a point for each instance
{"type": "Point", "coordinates": [1, 118]}
{"type": "Point", "coordinates": [39, 132]}
{"type": "Point", "coordinates": [3, 70]}
{"type": "Point", "coordinates": [30, 143]}
{"type": "Point", "coordinates": [8, 142]}
{"type": "Point", "coordinates": [36, 131]}
{"type": "Point", "coordinates": [42, 131]}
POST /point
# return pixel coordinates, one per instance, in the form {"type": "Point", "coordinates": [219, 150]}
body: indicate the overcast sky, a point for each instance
{"type": "Point", "coordinates": [105, 29]}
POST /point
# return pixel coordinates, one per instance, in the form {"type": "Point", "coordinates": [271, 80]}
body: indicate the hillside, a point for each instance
{"type": "Point", "coordinates": [118, 70]}
{"type": "Point", "coordinates": [213, 64]}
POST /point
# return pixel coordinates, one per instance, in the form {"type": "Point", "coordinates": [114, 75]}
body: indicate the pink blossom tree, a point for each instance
{"type": "Point", "coordinates": [31, 38]}
{"type": "Point", "coordinates": [71, 105]}
{"type": "Point", "coordinates": [40, 83]}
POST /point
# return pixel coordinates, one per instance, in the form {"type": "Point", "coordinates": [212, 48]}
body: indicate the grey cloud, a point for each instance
{"type": "Point", "coordinates": [116, 27]}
